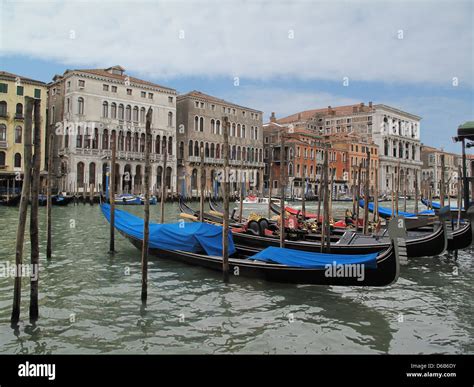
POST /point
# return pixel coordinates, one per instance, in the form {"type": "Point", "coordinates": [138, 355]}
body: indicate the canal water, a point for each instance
{"type": "Point", "coordinates": [90, 302]}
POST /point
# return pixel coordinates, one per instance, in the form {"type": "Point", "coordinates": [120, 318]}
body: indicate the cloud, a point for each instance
{"type": "Point", "coordinates": [257, 40]}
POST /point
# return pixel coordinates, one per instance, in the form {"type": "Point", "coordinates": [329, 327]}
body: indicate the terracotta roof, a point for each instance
{"type": "Point", "coordinates": [5, 74]}
{"type": "Point", "coordinates": [307, 114]}
{"type": "Point", "coordinates": [105, 73]}
{"type": "Point", "coordinates": [210, 98]}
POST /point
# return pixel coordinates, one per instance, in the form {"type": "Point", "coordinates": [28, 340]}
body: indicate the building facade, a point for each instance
{"type": "Point", "coordinates": [431, 171]}
{"type": "Point", "coordinates": [200, 129]}
{"type": "Point", "coordinates": [396, 134]}
{"type": "Point", "coordinates": [87, 107]}
{"type": "Point", "coordinates": [13, 90]}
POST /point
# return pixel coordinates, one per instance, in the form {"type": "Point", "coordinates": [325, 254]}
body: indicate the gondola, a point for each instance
{"type": "Point", "coordinates": [202, 243]}
{"type": "Point", "coordinates": [437, 205]}
{"type": "Point", "coordinates": [209, 218]}
{"type": "Point", "coordinates": [60, 200]}
{"type": "Point", "coordinates": [276, 209]}
{"type": "Point", "coordinates": [386, 213]}
{"type": "Point", "coordinates": [11, 201]}
{"type": "Point", "coordinates": [461, 237]}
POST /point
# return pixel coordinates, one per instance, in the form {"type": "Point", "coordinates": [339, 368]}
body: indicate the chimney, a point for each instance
{"type": "Point", "coordinates": [370, 104]}
{"type": "Point", "coordinates": [299, 116]}
{"type": "Point", "coordinates": [272, 117]}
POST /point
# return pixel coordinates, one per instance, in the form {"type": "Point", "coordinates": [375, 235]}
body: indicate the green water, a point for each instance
{"type": "Point", "coordinates": [90, 302]}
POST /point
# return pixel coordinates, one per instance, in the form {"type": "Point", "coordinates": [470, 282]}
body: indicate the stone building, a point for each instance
{"type": "Point", "coordinates": [85, 107]}
{"type": "Point", "coordinates": [13, 90]}
{"type": "Point", "coordinates": [200, 126]}
{"type": "Point", "coordinates": [395, 132]}
{"type": "Point", "coordinates": [431, 170]}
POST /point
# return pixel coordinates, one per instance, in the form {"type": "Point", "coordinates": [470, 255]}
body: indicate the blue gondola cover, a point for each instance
{"type": "Point", "coordinates": [306, 259]}
{"type": "Point", "coordinates": [191, 237]}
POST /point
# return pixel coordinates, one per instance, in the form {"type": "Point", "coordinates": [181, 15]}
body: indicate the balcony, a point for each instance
{"type": "Point", "coordinates": [19, 117]}
{"type": "Point", "coordinates": [3, 144]}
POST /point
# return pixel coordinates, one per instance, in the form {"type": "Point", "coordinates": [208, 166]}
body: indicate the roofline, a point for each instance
{"type": "Point", "coordinates": [13, 77]}
{"type": "Point", "coordinates": [205, 96]}
{"type": "Point", "coordinates": [395, 110]}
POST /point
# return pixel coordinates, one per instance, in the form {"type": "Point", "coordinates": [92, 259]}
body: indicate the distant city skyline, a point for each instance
{"type": "Point", "coordinates": [281, 57]}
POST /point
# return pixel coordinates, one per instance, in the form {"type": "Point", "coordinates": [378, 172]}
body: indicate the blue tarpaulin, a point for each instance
{"type": "Point", "coordinates": [387, 212]}
{"type": "Point", "coordinates": [184, 236]}
{"type": "Point", "coordinates": [309, 260]}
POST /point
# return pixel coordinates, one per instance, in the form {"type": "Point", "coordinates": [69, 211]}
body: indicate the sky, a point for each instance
{"type": "Point", "coordinates": [275, 56]}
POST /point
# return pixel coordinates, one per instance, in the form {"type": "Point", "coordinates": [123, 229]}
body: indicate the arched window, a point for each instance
{"type": "Point", "coordinates": [196, 123]}
{"type": "Point", "coordinates": [194, 179]}
{"type": "Point", "coordinates": [142, 142]}
{"type": "Point", "coordinates": [105, 109]}
{"type": "Point", "coordinates": [80, 105]}
{"type": "Point", "coordinates": [135, 142]}
{"type": "Point", "coordinates": [218, 151]}
{"type": "Point", "coordinates": [120, 112]}
{"type": "Point", "coordinates": [3, 109]}
{"type": "Point", "coordinates": [181, 150]}
{"type": "Point", "coordinates": [19, 110]}
{"type": "Point", "coordinates": [385, 147]}
{"type": "Point", "coordinates": [95, 141]}
{"type": "Point", "coordinates": [290, 169]}
{"type": "Point", "coordinates": [128, 113]}
{"type": "Point", "coordinates": [113, 110]}
{"type": "Point", "coordinates": [121, 141]}
{"type": "Point", "coordinates": [190, 148]}
{"type": "Point", "coordinates": [239, 133]}
{"type": "Point", "coordinates": [105, 139]}
{"type": "Point", "coordinates": [159, 176]}
{"type": "Point", "coordinates": [212, 150]}
{"type": "Point", "coordinates": [17, 160]}
{"type": "Point", "coordinates": [201, 124]}
{"type": "Point", "coordinates": [206, 152]}
{"type": "Point", "coordinates": [170, 119]}
{"type": "Point", "coordinates": [413, 152]}
{"type": "Point", "coordinates": [234, 153]}
{"type": "Point", "coordinates": [2, 158]}
{"type": "Point", "coordinates": [80, 174]}
{"type": "Point", "coordinates": [213, 126]}
{"type": "Point", "coordinates": [218, 127]}
{"type": "Point", "coordinates": [92, 173]}
{"type": "Point", "coordinates": [53, 115]}
{"type": "Point", "coordinates": [3, 132]}
{"type": "Point", "coordinates": [142, 114]}
{"type": "Point", "coordinates": [169, 171]}
{"type": "Point", "coordinates": [170, 145]}
{"type": "Point", "coordinates": [158, 145]}
{"type": "Point", "coordinates": [239, 153]}
{"type": "Point", "coordinates": [135, 113]}
{"type": "Point", "coordinates": [79, 138]}
{"type": "Point", "coordinates": [260, 156]}
{"type": "Point", "coordinates": [128, 142]}
{"type": "Point", "coordinates": [196, 149]}
{"type": "Point", "coordinates": [256, 133]}
{"type": "Point", "coordinates": [18, 134]}
{"type": "Point", "coordinates": [233, 130]}
{"type": "Point", "coordinates": [243, 131]}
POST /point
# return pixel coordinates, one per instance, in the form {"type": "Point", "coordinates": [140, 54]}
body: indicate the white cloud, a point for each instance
{"type": "Point", "coordinates": [250, 39]}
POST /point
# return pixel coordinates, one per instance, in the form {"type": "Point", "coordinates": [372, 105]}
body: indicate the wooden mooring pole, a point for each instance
{"type": "Point", "coordinates": [442, 184]}
{"type": "Point", "coordinates": [270, 188]}
{"type": "Point", "coordinates": [202, 183]}
{"type": "Point", "coordinates": [25, 194]}
{"type": "Point", "coordinates": [34, 229]}
{"type": "Point", "coordinates": [226, 187]}
{"type": "Point", "coordinates": [146, 222]}
{"type": "Point", "coordinates": [112, 193]}
{"type": "Point", "coordinates": [366, 193]}
{"type": "Point", "coordinates": [49, 247]}
{"type": "Point", "coordinates": [163, 186]}
{"type": "Point", "coordinates": [282, 189]}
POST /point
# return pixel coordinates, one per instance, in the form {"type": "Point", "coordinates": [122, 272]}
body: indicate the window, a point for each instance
{"type": "Point", "coordinates": [202, 105]}
{"type": "Point", "coordinates": [135, 114]}
{"type": "Point", "coordinates": [17, 161]}
{"type": "Point", "coordinates": [150, 95]}
{"type": "Point", "coordinates": [19, 90]}
{"type": "Point", "coordinates": [105, 87]}
{"type": "Point", "coordinates": [105, 109]}
{"type": "Point", "coordinates": [196, 123]}
{"type": "Point", "coordinates": [2, 158]}
{"type": "Point", "coordinates": [170, 99]}
{"type": "Point", "coordinates": [143, 94]}
{"type": "Point", "coordinates": [142, 114]}
{"type": "Point", "coordinates": [213, 107]}
{"type": "Point", "coordinates": [38, 93]}
{"type": "Point", "coordinates": [114, 89]}
{"type": "Point", "coordinates": [80, 105]}
{"type": "Point", "coordinates": [18, 135]}
{"type": "Point", "coordinates": [129, 91]}
{"type": "Point", "coordinates": [243, 131]}
{"type": "Point", "coordinates": [113, 110]}
{"type": "Point", "coordinates": [3, 88]}
{"type": "Point", "coordinates": [120, 112]}
{"type": "Point", "coordinates": [213, 126]}
{"type": "Point", "coordinates": [128, 113]}
{"type": "Point", "coordinates": [19, 110]}
{"type": "Point", "coordinates": [3, 132]}
{"type": "Point", "coordinates": [82, 83]}
{"type": "Point", "coordinates": [3, 109]}
{"type": "Point", "coordinates": [170, 119]}
{"type": "Point", "coordinates": [201, 124]}
{"type": "Point", "coordinates": [68, 84]}
{"type": "Point", "coordinates": [53, 115]}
